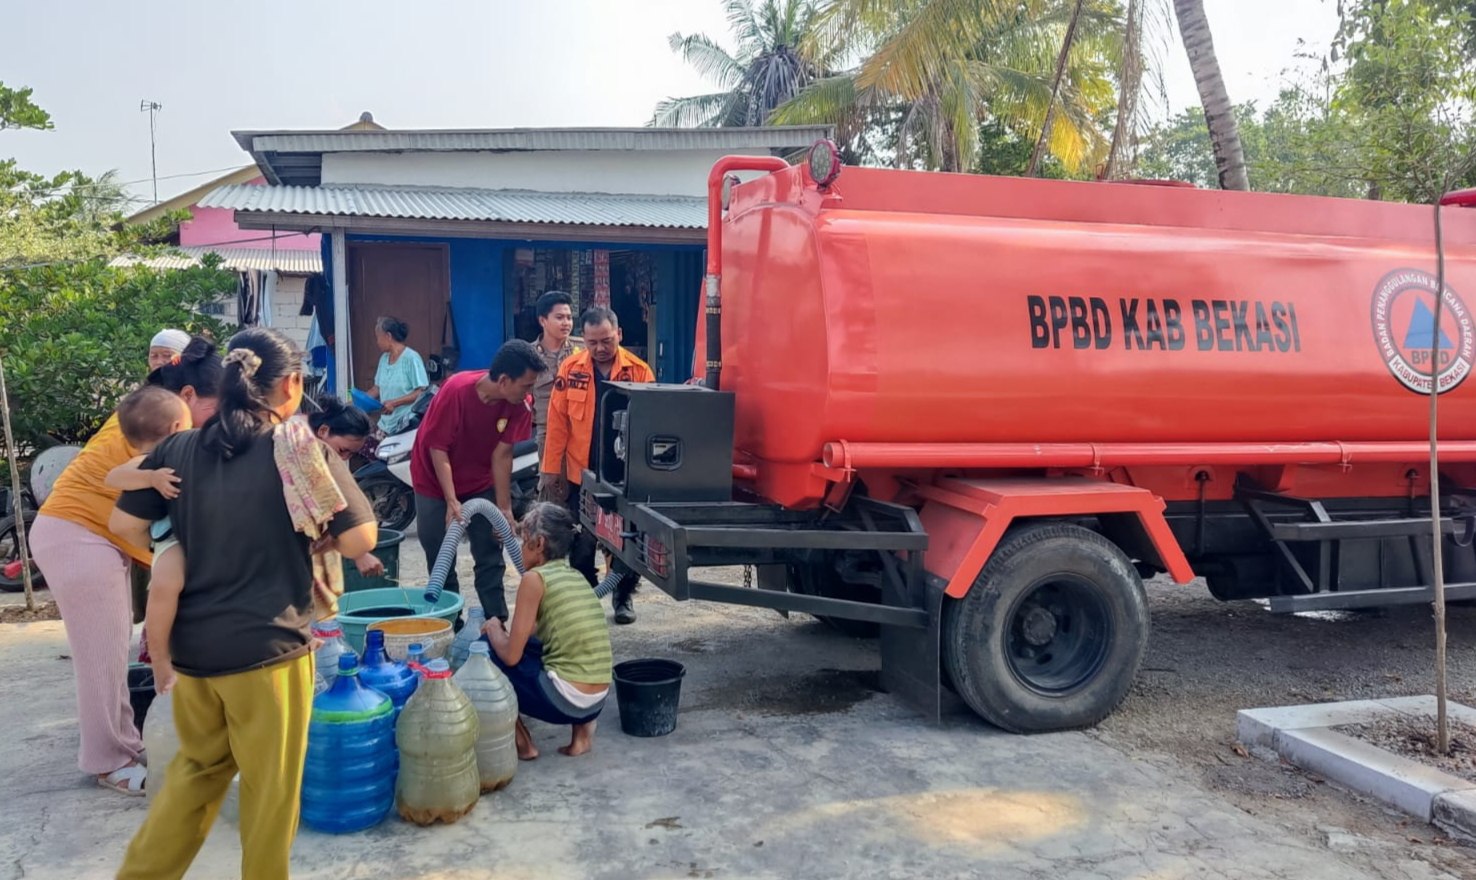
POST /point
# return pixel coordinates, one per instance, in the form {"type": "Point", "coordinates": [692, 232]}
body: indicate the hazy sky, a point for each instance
{"type": "Point", "coordinates": [217, 66]}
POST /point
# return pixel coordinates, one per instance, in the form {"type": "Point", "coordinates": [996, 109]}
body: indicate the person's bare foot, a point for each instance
{"type": "Point", "coordinates": [526, 750]}
{"type": "Point", "coordinates": [581, 741]}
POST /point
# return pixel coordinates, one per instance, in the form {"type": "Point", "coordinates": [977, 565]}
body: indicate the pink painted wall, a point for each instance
{"type": "Point", "coordinates": [218, 226]}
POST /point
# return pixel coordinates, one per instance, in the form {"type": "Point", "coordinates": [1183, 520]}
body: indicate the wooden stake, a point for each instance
{"type": "Point", "coordinates": [15, 493]}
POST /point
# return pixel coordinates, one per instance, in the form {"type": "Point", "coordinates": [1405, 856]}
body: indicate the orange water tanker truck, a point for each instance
{"type": "Point", "coordinates": [973, 413]}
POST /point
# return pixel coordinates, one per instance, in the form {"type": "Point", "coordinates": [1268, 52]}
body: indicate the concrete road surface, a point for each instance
{"type": "Point", "coordinates": [786, 763]}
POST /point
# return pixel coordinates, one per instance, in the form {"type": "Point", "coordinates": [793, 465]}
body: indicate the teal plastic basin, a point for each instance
{"type": "Point", "coordinates": [357, 610]}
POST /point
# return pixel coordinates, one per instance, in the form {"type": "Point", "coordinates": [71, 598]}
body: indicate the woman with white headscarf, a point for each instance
{"type": "Point", "coordinates": [166, 346]}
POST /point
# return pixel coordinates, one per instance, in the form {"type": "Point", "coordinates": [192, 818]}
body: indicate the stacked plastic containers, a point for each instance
{"type": "Point", "coordinates": [325, 660]}
{"type": "Point", "coordinates": [437, 735]}
{"type": "Point", "coordinates": [390, 677]}
{"type": "Point", "coordinates": [476, 618]}
{"type": "Point", "coordinates": [497, 715]}
{"type": "Point", "coordinates": [348, 780]}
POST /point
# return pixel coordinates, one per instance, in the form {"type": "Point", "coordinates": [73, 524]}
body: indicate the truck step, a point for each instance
{"type": "Point", "coordinates": [1348, 529]}
{"type": "Point", "coordinates": [1341, 601]}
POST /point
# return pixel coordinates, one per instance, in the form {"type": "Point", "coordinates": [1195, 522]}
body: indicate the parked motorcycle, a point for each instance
{"type": "Point", "coordinates": [44, 471]}
{"type": "Point", "coordinates": [386, 481]}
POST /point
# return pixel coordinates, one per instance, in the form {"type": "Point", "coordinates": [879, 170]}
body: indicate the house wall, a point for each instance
{"type": "Point", "coordinates": [209, 226]}
{"type": "Point", "coordinates": [285, 304]}
{"type": "Point", "coordinates": [649, 172]}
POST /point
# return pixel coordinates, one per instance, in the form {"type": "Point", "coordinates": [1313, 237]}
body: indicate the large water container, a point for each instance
{"type": "Point", "coordinates": [348, 779]}
{"type": "Point", "coordinates": [437, 733]}
{"type": "Point", "coordinates": [476, 618]}
{"type": "Point", "coordinates": [325, 659]}
{"type": "Point", "coordinates": [497, 716]}
{"type": "Point", "coordinates": [390, 677]}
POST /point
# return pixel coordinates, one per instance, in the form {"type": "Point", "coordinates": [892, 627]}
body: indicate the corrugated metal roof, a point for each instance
{"type": "Point", "coordinates": [768, 138]}
{"type": "Point", "coordinates": [512, 206]}
{"type": "Point", "coordinates": [291, 262]}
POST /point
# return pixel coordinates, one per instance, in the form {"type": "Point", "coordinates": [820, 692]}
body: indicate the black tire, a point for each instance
{"type": "Point", "coordinates": [392, 500]}
{"type": "Point", "coordinates": [10, 551]}
{"type": "Point", "coordinates": [821, 579]}
{"type": "Point", "coordinates": [1052, 632]}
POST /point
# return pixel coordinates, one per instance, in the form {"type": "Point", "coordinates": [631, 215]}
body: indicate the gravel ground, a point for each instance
{"type": "Point", "coordinates": [1207, 659]}
{"type": "Point", "coordinates": [1414, 737]}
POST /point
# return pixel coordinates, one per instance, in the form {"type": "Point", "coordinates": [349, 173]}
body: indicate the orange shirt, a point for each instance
{"type": "Point", "coordinates": [571, 409]}
{"type": "Point", "coordinates": [79, 495]}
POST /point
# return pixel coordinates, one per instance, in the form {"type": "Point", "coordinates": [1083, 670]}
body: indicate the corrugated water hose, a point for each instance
{"type": "Point", "coordinates": [446, 559]}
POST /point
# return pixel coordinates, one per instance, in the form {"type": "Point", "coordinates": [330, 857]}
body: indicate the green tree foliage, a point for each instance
{"type": "Point", "coordinates": [75, 337]}
{"type": "Point", "coordinates": [1408, 95]}
{"type": "Point", "coordinates": [75, 330]}
{"type": "Point", "coordinates": [1389, 116]}
{"type": "Point", "coordinates": [776, 59]}
{"type": "Point", "coordinates": [942, 68]}
{"type": "Point", "coordinates": [1297, 145]}
{"type": "Point", "coordinates": [17, 111]}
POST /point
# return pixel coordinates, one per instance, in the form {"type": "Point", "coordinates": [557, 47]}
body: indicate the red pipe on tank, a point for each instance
{"type": "Point", "coordinates": [714, 302]}
{"type": "Point", "coordinates": [841, 454]}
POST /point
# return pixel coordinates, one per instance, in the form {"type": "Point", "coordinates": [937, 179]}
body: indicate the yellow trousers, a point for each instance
{"type": "Point", "coordinates": [253, 722]}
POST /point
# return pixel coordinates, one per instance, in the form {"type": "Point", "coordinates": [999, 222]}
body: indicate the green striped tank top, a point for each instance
{"type": "Point", "coordinates": [571, 625]}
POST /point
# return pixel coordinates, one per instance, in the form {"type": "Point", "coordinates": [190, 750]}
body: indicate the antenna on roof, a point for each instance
{"type": "Point", "coordinates": [152, 108]}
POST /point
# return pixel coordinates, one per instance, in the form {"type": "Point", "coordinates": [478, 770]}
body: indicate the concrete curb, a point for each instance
{"type": "Point", "coordinates": [1303, 736]}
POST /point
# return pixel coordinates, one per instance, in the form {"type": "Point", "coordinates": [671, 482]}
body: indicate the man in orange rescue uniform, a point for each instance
{"type": "Point", "coordinates": [569, 446]}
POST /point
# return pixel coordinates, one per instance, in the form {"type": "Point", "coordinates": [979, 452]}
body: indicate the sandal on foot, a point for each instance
{"type": "Point", "coordinates": [127, 780]}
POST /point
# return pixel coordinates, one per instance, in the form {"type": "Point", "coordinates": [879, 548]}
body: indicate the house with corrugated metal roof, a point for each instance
{"type": "Point", "coordinates": [274, 267]}
{"type": "Point", "coordinates": [459, 232]}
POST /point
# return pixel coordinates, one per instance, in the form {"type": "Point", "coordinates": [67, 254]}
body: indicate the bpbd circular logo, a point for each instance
{"type": "Point", "coordinates": [1404, 330]}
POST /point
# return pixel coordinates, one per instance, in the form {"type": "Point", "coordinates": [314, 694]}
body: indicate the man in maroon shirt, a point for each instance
{"type": "Point", "coordinates": [464, 450]}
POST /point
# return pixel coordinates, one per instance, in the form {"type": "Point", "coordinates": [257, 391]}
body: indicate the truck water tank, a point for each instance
{"type": "Point", "coordinates": [909, 307]}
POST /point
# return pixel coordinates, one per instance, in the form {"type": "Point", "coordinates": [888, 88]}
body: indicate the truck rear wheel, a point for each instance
{"type": "Point", "coordinates": [1052, 632]}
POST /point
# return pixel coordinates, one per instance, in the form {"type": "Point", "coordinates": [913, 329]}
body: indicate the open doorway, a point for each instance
{"type": "Point", "coordinates": [623, 280]}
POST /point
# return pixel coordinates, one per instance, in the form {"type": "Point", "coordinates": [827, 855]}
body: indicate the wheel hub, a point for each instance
{"type": "Point", "coordinates": [1038, 626]}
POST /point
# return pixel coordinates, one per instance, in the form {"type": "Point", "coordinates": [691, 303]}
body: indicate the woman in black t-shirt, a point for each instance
{"type": "Point", "coordinates": [240, 641]}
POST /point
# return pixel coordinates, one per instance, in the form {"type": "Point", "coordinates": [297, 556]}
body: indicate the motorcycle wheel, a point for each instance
{"type": "Point", "coordinates": [10, 552]}
{"type": "Point", "coordinates": [393, 501]}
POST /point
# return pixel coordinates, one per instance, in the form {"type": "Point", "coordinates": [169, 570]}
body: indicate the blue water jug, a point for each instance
{"type": "Point", "coordinates": [348, 780]}
{"type": "Point", "coordinates": [390, 677]}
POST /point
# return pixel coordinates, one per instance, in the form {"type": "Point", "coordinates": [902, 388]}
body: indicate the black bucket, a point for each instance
{"type": "Point", "coordinates": [647, 692]}
{"type": "Point", "coordinates": [140, 692]}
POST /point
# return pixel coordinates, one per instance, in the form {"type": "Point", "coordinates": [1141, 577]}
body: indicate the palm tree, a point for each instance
{"type": "Point", "coordinates": [1050, 115]}
{"type": "Point", "coordinates": [1219, 113]}
{"type": "Point", "coordinates": [1129, 88]}
{"type": "Point", "coordinates": [776, 59]}
{"type": "Point", "coordinates": [939, 68]}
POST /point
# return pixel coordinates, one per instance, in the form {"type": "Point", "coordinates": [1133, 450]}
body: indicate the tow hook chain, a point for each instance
{"type": "Point", "coordinates": [748, 577]}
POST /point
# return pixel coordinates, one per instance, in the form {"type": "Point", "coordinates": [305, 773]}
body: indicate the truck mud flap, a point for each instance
{"type": "Point", "coordinates": [911, 657]}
